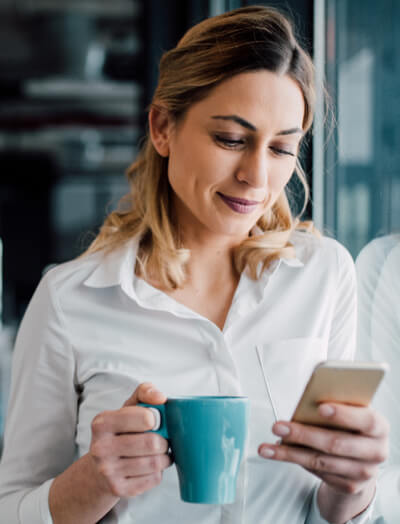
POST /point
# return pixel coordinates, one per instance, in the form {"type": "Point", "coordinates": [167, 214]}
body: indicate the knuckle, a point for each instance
{"type": "Point", "coordinates": [116, 488]}
{"type": "Point", "coordinates": [106, 470]}
{"type": "Point", "coordinates": [140, 487]}
{"type": "Point", "coordinates": [318, 462]}
{"type": "Point", "coordinates": [97, 450]}
{"type": "Point", "coordinates": [381, 454]}
{"type": "Point", "coordinates": [151, 443]}
{"type": "Point", "coordinates": [383, 423]}
{"type": "Point", "coordinates": [372, 426]}
{"type": "Point", "coordinates": [154, 463]}
{"type": "Point", "coordinates": [98, 424]}
{"type": "Point", "coordinates": [100, 449]}
{"type": "Point", "coordinates": [167, 461]}
{"type": "Point", "coordinates": [144, 388]}
{"type": "Point", "coordinates": [158, 477]}
{"type": "Point", "coordinates": [350, 488]}
{"type": "Point", "coordinates": [144, 484]}
{"type": "Point", "coordinates": [145, 385]}
{"type": "Point", "coordinates": [367, 472]}
{"type": "Point", "coordinates": [336, 445]}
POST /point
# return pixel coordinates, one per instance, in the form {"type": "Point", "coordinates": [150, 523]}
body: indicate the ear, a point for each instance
{"type": "Point", "coordinates": [159, 125]}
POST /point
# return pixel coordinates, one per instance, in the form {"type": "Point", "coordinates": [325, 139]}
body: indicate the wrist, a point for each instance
{"type": "Point", "coordinates": [338, 507]}
{"type": "Point", "coordinates": [79, 494]}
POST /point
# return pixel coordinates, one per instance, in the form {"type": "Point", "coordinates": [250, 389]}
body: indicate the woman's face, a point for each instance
{"type": "Point", "coordinates": [233, 153]}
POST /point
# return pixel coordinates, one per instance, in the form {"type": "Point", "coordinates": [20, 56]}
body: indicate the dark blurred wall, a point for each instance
{"type": "Point", "coordinates": [76, 77]}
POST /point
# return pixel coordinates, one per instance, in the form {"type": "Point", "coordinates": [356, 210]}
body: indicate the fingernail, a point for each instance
{"type": "Point", "coordinates": [157, 419]}
{"type": "Point", "coordinates": [326, 410]}
{"type": "Point", "coordinates": [267, 452]}
{"type": "Point", "coordinates": [281, 430]}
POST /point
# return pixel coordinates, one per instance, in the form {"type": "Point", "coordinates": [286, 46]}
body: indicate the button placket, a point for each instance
{"type": "Point", "coordinates": [229, 384]}
{"type": "Point", "coordinates": [230, 381]}
{"type": "Point", "coordinates": [226, 369]}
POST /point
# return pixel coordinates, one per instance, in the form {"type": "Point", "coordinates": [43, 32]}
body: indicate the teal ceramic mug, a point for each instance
{"type": "Point", "coordinates": [207, 436]}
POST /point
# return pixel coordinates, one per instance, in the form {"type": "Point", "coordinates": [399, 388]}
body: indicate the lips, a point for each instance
{"type": "Point", "coordinates": [240, 205]}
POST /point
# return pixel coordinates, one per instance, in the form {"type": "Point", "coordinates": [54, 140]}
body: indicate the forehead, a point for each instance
{"type": "Point", "coordinates": [263, 98]}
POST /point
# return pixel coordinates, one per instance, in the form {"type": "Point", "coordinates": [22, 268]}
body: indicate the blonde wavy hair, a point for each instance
{"type": "Point", "coordinates": [245, 39]}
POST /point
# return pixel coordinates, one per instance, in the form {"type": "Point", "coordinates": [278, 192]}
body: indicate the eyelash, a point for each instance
{"type": "Point", "coordinates": [280, 151]}
{"type": "Point", "coordinates": [233, 144]}
{"type": "Point", "coordinates": [230, 144]}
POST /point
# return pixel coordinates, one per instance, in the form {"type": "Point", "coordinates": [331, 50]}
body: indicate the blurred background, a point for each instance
{"type": "Point", "coordinates": [76, 77]}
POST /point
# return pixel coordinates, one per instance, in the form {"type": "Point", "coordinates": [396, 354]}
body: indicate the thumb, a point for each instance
{"type": "Point", "coordinates": [146, 393]}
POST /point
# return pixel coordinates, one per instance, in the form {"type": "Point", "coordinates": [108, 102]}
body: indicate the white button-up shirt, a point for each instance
{"type": "Point", "coordinates": [378, 273]}
{"type": "Point", "coordinates": [94, 331]}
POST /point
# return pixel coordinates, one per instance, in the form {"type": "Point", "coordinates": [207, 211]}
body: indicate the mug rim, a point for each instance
{"type": "Point", "coordinates": [207, 397]}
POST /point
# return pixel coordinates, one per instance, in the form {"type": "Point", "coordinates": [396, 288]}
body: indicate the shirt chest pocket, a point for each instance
{"type": "Point", "coordinates": [287, 366]}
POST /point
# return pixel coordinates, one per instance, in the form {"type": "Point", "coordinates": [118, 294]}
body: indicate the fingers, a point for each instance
{"type": "Point", "coordinates": [364, 420]}
{"type": "Point", "coordinates": [128, 458]}
{"type": "Point", "coordinates": [347, 459]}
{"type": "Point", "coordinates": [129, 480]}
{"type": "Point", "coordinates": [135, 467]}
{"type": "Point", "coordinates": [139, 466]}
{"type": "Point", "coordinates": [322, 463]}
{"type": "Point", "coordinates": [333, 442]}
{"type": "Point", "coordinates": [146, 393]}
{"type": "Point", "coordinates": [130, 464]}
{"type": "Point", "coordinates": [131, 419]}
{"type": "Point", "coordinates": [131, 487]}
{"type": "Point", "coordinates": [128, 445]}
{"type": "Point", "coordinates": [140, 445]}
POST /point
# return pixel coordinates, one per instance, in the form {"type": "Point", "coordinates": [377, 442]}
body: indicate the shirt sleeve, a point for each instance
{"type": "Point", "coordinates": [39, 439]}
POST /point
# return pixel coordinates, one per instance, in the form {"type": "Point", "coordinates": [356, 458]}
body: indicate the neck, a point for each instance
{"type": "Point", "coordinates": [211, 260]}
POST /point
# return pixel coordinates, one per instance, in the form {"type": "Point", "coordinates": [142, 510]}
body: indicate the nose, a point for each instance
{"type": "Point", "coordinates": [253, 169]}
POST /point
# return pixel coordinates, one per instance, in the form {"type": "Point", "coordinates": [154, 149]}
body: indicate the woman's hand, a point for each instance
{"type": "Point", "coordinates": [346, 460]}
{"type": "Point", "coordinates": [128, 460]}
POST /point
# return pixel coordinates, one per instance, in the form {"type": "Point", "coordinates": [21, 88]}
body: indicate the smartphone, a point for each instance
{"type": "Point", "coordinates": [347, 382]}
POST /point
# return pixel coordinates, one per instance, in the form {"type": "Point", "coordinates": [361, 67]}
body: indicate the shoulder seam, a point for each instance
{"type": "Point", "coordinates": [58, 308]}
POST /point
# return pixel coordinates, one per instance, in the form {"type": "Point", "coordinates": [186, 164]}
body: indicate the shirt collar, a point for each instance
{"type": "Point", "coordinates": [296, 261]}
{"type": "Point", "coordinates": [117, 267]}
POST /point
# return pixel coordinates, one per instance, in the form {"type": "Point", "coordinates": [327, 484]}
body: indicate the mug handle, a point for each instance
{"type": "Point", "coordinates": [159, 415]}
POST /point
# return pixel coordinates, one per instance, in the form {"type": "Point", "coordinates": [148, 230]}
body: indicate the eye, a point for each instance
{"type": "Point", "coordinates": [229, 143]}
{"type": "Point", "coordinates": [281, 152]}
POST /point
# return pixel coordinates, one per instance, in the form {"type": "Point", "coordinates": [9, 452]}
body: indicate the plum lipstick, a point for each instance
{"type": "Point", "coordinates": [240, 205]}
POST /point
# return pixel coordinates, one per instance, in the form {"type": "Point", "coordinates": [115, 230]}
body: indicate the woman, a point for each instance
{"type": "Point", "coordinates": [204, 275]}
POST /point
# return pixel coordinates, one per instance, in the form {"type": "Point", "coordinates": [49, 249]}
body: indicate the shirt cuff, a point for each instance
{"type": "Point", "coordinates": [388, 495]}
{"type": "Point", "coordinates": [314, 516]}
{"type": "Point", "coordinates": [34, 507]}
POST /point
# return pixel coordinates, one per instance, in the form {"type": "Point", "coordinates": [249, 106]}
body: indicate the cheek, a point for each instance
{"type": "Point", "coordinates": [282, 175]}
{"type": "Point", "coordinates": [200, 169]}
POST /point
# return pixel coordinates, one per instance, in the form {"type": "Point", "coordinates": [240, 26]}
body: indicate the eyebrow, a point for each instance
{"type": "Point", "coordinates": [244, 123]}
{"type": "Point", "coordinates": [291, 131]}
{"type": "Point", "coordinates": [237, 119]}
